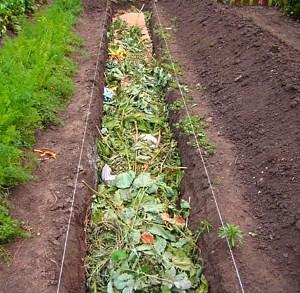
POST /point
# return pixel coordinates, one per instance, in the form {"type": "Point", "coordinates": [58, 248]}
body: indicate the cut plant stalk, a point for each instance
{"type": "Point", "coordinates": [138, 238]}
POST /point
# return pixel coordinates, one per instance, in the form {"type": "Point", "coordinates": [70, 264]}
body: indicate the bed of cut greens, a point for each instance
{"type": "Point", "coordinates": [138, 237]}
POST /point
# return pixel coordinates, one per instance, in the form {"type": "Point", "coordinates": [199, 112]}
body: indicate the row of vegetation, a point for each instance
{"type": "Point", "coordinates": [291, 7]}
{"type": "Point", "coordinates": [36, 80]}
{"type": "Point", "coordinates": [13, 11]}
{"type": "Point", "coordinates": [138, 235]}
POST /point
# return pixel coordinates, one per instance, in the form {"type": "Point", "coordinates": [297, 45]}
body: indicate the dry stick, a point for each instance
{"type": "Point", "coordinates": [136, 152]}
{"type": "Point", "coordinates": [102, 137]}
{"type": "Point", "coordinates": [159, 138]}
{"type": "Point", "coordinates": [146, 167]}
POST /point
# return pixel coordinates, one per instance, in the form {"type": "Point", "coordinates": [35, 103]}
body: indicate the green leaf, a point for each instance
{"type": "Point", "coordinates": [160, 231]}
{"type": "Point", "coordinates": [165, 290]}
{"type": "Point", "coordinates": [118, 255]}
{"type": "Point", "coordinates": [153, 207]}
{"type": "Point", "coordinates": [181, 242]}
{"type": "Point", "coordinates": [127, 194]}
{"type": "Point", "coordinates": [124, 180]}
{"type": "Point", "coordinates": [124, 281]}
{"type": "Point", "coordinates": [184, 204]}
{"type": "Point", "coordinates": [143, 180]}
{"type": "Point", "coordinates": [160, 245]}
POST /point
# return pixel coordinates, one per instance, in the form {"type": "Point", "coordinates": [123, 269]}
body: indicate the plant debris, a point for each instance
{"type": "Point", "coordinates": [138, 238]}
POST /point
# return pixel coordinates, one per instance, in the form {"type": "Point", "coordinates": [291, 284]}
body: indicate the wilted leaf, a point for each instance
{"type": "Point", "coordinates": [160, 245]}
{"type": "Point", "coordinates": [204, 285]}
{"type": "Point", "coordinates": [179, 220]}
{"type": "Point", "coordinates": [124, 180]}
{"type": "Point", "coordinates": [159, 231]}
{"type": "Point", "coordinates": [135, 237]}
{"type": "Point", "coordinates": [143, 180]}
{"type": "Point", "coordinates": [166, 217]}
{"type": "Point", "coordinates": [153, 207]}
{"type": "Point", "coordinates": [184, 204]}
{"type": "Point", "coordinates": [147, 238]}
{"type": "Point", "coordinates": [124, 280]}
{"type": "Point", "coordinates": [182, 282]}
{"type": "Point", "coordinates": [183, 263]}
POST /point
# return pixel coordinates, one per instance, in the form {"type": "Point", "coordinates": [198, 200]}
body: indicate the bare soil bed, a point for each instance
{"type": "Point", "coordinates": [248, 87]}
{"type": "Point", "coordinates": [44, 204]}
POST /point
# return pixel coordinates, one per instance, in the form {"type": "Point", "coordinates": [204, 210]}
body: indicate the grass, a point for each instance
{"type": "Point", "coordinates": [36, 80]}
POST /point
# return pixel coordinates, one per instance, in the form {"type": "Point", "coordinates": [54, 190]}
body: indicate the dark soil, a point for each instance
{"type": "Point", "coordinates": [247, 79]}
{"type": "Point", "coordinates": [248, 89]}
{"type": "Point", "coordinates": [44, 204]}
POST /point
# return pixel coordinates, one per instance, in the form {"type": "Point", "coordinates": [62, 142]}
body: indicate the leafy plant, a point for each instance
{"type": "Point", "coordinates": [232, 233]}
{"type": "Point", "coordinates": [177, 105]}
{"type": "Point", "coordinates": [11, 13]}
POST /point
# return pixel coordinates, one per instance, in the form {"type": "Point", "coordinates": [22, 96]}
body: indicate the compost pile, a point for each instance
{"type": "Point", "coordinates": [138, 235]}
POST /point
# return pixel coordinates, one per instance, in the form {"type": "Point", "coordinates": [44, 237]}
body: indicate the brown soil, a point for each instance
{"type": "Point", "coordinates": [248, 87]}
{"type": "Point", "coordinates": [247, 74]}
{"type": "Point", "coordinates": [44, 204]}
{"type": "Point", "coordinates": [274, 21]}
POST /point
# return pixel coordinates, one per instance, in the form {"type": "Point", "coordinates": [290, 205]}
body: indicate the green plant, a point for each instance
{"type": "Point", "coordinates": [232, 233]}
{"type": "Point", "coordinates": [11, 13]}
{"type": "Point", "coordinates": [36, 70]}
{"type": "Point", "coordinates": [195, 124]}
{"type": "Point", "coordinates": [40, 58]}
{"type": "Point", "coordinates": [176, 105]}
{"type": "Point", "coordinates": [9, 228]}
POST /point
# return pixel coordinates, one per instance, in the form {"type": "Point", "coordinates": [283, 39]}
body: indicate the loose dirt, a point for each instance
{"type": "Point", "coordinates": [44, 204]}
{"type": "Point", "coordinates": [248, 89]}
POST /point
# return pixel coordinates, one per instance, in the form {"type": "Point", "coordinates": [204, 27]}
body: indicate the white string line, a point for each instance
{"type": "Point", "coordinates": [81, 151]}
{"type": "Point", "coordinates": [200, 152]}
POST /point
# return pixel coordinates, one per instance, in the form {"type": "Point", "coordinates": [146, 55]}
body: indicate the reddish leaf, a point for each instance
{"type": "Point", "coordinates": [179, 220]}
{"type": "Point", "coordinates": [147, 238]}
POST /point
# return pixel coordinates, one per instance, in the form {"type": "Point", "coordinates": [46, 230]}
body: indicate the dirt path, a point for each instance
{"type": "Point", "coordinates": [249, 91]}
{"type": "Point", "coordinates": [44, 203]}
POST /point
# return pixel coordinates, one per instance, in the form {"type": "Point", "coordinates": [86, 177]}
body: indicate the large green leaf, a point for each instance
{"type": "Point", "coordinates": [153, 207]}
{"type": "Point", "coordinates": [124, 281]}
{"type": "Point", "coordinates": [124, 180]}
{"type": "Point", "coordinates": [160, 231]}
{"type": "Point", "coordinates": [143, 180]}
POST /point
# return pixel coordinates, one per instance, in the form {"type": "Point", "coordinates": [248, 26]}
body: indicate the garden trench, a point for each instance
{"type": "Point", "coordinates": [37, 260]}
